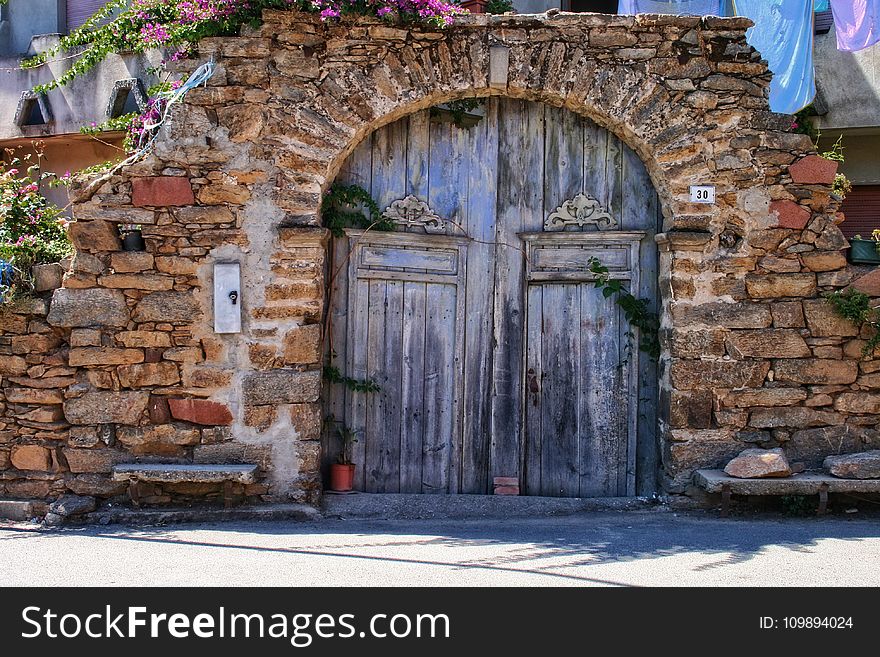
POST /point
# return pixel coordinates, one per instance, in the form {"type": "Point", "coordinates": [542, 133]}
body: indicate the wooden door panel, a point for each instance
{"type": "Point", "coordinates": [446, 329]}
{"type": "Point", "coordinates": [404, 334]}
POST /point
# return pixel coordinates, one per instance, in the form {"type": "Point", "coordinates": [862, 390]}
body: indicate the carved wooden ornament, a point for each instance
{"type": "Point", "coordinates": [413, 212]}
{"type": "Point", "coordinates": [582, 210]}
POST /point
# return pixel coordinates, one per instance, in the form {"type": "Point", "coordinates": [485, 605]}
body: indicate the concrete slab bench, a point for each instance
{"type": "Point", "coordinates": [805, 483]}
{"type": "Point", "coordinates": [171, 473]}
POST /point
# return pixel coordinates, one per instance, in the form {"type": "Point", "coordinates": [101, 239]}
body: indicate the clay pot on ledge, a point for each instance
{"type": "Point", "coordinates": [341, 477]}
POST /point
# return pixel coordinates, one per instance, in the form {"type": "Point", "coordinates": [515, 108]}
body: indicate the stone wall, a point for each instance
{"type": "Point", "coordinates": [131, 368]}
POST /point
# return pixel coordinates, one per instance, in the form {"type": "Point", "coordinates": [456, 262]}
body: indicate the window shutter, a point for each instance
{"type": "Point", "coordinates": [862, 211]}
{"type": "Point", "coordinates": [79, 11]}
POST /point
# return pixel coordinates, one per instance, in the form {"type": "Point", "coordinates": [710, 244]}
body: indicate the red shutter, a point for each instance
{"type": "Point", "coordinates": [861, 207]}
{"type": "Point", "coordinates": [79, 11]}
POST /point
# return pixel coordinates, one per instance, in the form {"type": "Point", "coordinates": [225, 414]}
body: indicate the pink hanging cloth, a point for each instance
{"type": "Point", "coordinates": [857, 23]}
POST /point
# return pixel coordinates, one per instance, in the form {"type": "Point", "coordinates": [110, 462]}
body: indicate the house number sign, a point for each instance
{"type": "Point", "coordinates": [702, 193]}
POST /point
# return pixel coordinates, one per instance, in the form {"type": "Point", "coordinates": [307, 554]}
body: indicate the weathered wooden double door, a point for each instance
{"type": "Point", "coordinates": [494, 352]}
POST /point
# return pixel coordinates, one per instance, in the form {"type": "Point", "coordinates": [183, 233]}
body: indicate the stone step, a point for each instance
{"type": "Point", "coordinates": [806, 483]}
{"type": "Point", "coordinates": [202, 514]}
{"type": "Point", "coordinates": [184, 472]}
{"type": "Point", "coordinates": [414, 506]}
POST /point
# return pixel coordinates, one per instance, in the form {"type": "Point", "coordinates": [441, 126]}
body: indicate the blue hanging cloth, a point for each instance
{"type": "Point", "coordinates": [680, 7]}
{"type": "Point", "coordinates": [783, 33]}
{"type": "Point", "coordinates": [822, 5]}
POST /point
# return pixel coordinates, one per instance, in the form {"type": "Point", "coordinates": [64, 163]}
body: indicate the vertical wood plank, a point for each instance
{"type": "Point", "coordinates": [564, 157]}
{"type": "Point", "coordinates": [641, 211]}
{"type": "Point", "coordinates": [448, 175]}
{"type": "Point", "coordinates": [356, 356]}
{"type": "Point", "coordinates": [559, 386]}
{"type": "Point", "coordinates": [595, 149]}
{"type": "Point", "coordinates": [412, 387]}
{"type": "Point", "coordinates": [533, 407]}
{"type": "Point", "coordinates": [376, 462]}
{"type": "Point", "coordinates": [389, 163]}
{"type": "Point", "coordinates": [520, 207]}
{"type": "Point", "coordinates": [418, 149]}
{"type": "Point", "coordinates": [603, 398]}
{"type": "Point", "coordinates": [439, 379]}
{"type": "Point", "coordinates": [481, 209]}
{"type": "Point", "coordinates": [358, 168]}
{"type": "Point", "coordinates": [392, 373]}
{"type": "Point", "coordinates": [613, 174]}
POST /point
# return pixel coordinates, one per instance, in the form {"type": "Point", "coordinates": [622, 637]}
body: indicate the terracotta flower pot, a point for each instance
{"type": "Point", "coordinates": [341, 477]}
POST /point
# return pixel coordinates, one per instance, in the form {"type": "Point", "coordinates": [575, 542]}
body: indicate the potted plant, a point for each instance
{"type": "Point", "coordinates": [132, 239]}
{"type": "Point", "coordinates": [863, 251]}
{"type": "Point", "coordinates": [342, 472]}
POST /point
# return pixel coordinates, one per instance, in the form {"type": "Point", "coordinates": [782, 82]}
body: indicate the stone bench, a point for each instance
{"type": "Point", "coordinates": [805, 483]}
{"type": "Point", "coordinates": [173, 473]}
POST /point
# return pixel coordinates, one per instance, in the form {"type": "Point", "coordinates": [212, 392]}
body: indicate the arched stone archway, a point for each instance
{"type": "Point", "coordinates": [751, 354]}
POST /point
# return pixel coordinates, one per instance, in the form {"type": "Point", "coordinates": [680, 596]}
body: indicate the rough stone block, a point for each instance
{"type": "Point", "coordinates": [306, 420]}
{"type": "Point", "coordinates": [792, 416]}
{"type": "Point", "coordinates": [200, 411]}
{"type": "Point", "coordinates": [163, 434]}
{"type": "Point", "coordinates": [106, 408]}
{"type": "Point", "coordinates": [167, 307]}
{"type": "Point", "coordinates": [727, 315]}
{"type": "Point", "coordinates": [749, 397]}
{"type": "Point", "coordinates": [823, 320]}
{"type": "Point", "coordinates": [790, 214]}
{"type": "Point", "coordinates": [823, 260]}
{"type": "Point", "coordinates": [31, 457]}
{"type": "Point", "coordinates": [141, 339]}
{"type": "Point", "coordinates": [767, 343]}
{"type": "Point", "coordinates": [281, 387]}
{"type": "Point", "coordinates": [865, 465]}
{"type": "Point", "coordinates": [85, 338]}
{"type": "Point", "coordinates": [130, 261]}
{"type": "Point", "coordinates": [787, 314]}
{"type": "Point", "coordinates": [94, 460]}
{"type": "Point", "coordinates": [769, 286]}
{"type": "Point", "coordinates": [80, 356]}
{"type": "Point", "coordinates": [813, 445]}
{"type": "Point", "coordinates": [857, 402]}
{"type": "Point", "coordinates": [757, 463]}
{"type": "Point", "coordinates": [161, 191]}
{"type": "Point", "coordinates": [84, 308]}
{"type": "Point", "coordinates": [47, 277]}
{"type": "Point", "coordinates": [816, 371]}
{"type": "Point", "coordinates": [32, 396]}
{"type": "Point", "coordinates": [694, 375]}
{"type": "Point", "coordinates": [148, 374]}
{"type": "Point", "coordinates": [813, 170]}
{"type": "Point", "coordinates": [95, 236]}
{"type": "Point", "coordinates": [302, 345]}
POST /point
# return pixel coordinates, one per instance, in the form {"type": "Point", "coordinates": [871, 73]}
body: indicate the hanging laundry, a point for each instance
{"type": "Point", "coordinates": [820, 5]}
{"type": "Point", "coordinates": [783, 33]}
{"type": "Point", "coordinates": [680, 7]}
{"type": "Point", "coordinates": [856, 23]}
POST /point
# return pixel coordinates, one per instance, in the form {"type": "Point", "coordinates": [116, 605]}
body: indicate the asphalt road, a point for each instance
{"type": "Point", "coordinates": [597, 549]}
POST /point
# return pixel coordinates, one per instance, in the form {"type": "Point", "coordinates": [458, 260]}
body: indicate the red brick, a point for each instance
{"type": "Point", "coordinates": [161, 191]}
{"type": "Point", "coordinates": [507, 490]}
{"type": "Point", "coordinates": [505, 481]}
{"type": "Point", "coordinates": [200, 411]}
{"type": "Point", "coordinates": [813, 170]}
{"type": "Point", "coordinates": [791, 215]}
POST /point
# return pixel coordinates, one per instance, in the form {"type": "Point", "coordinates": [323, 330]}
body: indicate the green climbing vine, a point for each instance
{"type": "Point", "coordinates": [333, 375]}
{"type": "Point", "coordinates": [856, 307]}
{"type": "Point", "coordinates": [634, 309]}
{"type": "Point", "coordinates": [351, 206]}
